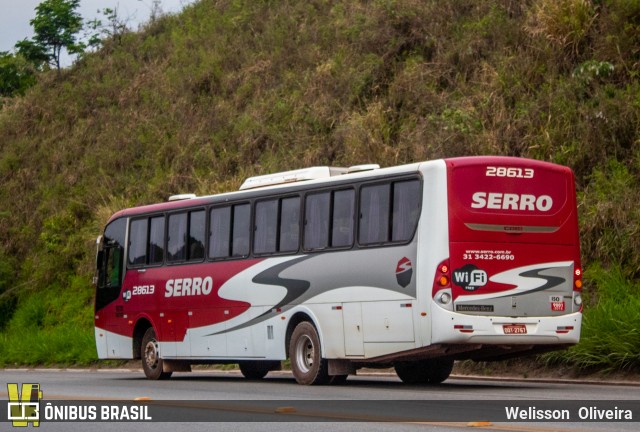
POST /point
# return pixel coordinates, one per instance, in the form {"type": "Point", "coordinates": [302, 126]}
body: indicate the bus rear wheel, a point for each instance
{"type": "Point", "coordinates": [307, 364]}
{"type": "Point", "coordinates": [151, 361]}
{"type": "Point", "coordinates": [433, 371]}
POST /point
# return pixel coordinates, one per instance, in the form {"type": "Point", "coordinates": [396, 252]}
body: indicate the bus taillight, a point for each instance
{"type": "Point", "coordinates": [577, 280]}
{"type": "Point", "coordinates": [441, 290]}
{"type": "Point", "coordinates": [442, 279]}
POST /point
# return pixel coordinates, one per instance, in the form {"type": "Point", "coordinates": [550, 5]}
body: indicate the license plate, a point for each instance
{"type": "Point", "coordinates": [514, 329]}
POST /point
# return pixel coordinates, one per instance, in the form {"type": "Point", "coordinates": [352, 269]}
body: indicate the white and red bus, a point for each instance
{"type": "Point", "coordinates": [413, 266]}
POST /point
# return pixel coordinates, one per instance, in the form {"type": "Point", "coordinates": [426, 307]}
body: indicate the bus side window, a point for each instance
{"type": "Point", "coordinates": [374, 214]}
{"type": "Point", "coordinates": [406, 209]}
{"type": "Point", "coordinates": [229, 231]}
{"type": "Point", "coordinates": [177, 241]}
{"type": "Point", "coordinates": [138, 242]}
{"type": "Point", "coordinates": [289, 224]}
{"type": "Point", "coordinates": [241, 230]}
{"type": "Point", "coordinates": [265, 234]}
{"type": "Point", "coordinates": [342, 218]}
{"type": "Point", "coordinates": [219, 231]}
{"type": "Point", "coordinates": [316, 221]}
{"type": "Point", "coordinates": [111, 264]}
{"type": "Point", "coordinates": [114, 266]}
{"type": "Point", "coordinates": [196, 235]}
{"type": "Point", "coordinates": [156, 240]}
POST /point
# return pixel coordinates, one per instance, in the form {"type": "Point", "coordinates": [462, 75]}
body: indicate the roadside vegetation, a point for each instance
{"type": "Point", "coordinates": [198, 101]}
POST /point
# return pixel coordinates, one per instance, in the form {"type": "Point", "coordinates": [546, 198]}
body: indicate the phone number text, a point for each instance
{"type": "Point", "coordinates": [488, 257]}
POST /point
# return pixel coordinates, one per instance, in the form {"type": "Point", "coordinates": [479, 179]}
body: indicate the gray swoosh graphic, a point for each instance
{"type": "Point", "coordinates": [552, 281]}
{"type": "Point", "coordinates": [271, 276]}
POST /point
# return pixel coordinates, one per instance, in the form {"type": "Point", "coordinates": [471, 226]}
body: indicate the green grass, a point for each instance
{"type": "Point", "coordinates": [610, 338]}
{"type": "Point", "coordinates": [53, 327]}
{"type": "Point", "coordinates": [63, 345]}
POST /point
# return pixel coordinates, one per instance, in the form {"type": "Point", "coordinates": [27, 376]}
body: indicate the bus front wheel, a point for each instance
{"type": "Point", "coordinates": [307, 364]}
{"type": "Point", "coordinates": [150, 354]}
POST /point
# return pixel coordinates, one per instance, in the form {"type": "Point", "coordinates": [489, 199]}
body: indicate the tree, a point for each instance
{"type": "Point", "coordinates": [56, 26]}
{"type": "Point", "coordinates": [16, 75]}
{"type": "Point", "coordinates": [33, 53]}
{"type": "Point", "coordinates": [115, 28]}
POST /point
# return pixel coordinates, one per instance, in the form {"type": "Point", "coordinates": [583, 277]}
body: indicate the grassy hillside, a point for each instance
{"type": "Point", "coordinates": [198, 101]}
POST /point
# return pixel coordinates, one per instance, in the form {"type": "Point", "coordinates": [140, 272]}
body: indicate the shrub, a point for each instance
{"type": "Point", "coordinates": [610, 337]}
{"type": "Point", "coordinates": [564, 23]}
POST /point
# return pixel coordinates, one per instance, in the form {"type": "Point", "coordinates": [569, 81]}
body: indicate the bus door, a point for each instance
{"type": "Point", "coordinates": [514, 248]}
{"type": "Point", "coordinates": [108, 312]}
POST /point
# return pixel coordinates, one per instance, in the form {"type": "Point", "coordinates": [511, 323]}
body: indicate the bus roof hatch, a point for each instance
{"type": "Point", "coordinates": [312, 173]}
{"type": "Point", "coordinates": [181, 197]}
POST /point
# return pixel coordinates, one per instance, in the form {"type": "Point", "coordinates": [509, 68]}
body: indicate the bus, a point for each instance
{"type": "Point", "coordinates": [336, 269]}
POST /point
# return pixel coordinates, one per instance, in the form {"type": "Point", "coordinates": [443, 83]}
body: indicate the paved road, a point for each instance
{"type": "Point", "coordinates": [310, 404]}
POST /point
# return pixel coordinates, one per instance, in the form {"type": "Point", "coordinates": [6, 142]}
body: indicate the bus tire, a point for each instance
{"type": "Point", "coordinates": [150, 354]}
{"type": "Point", "coordinates": [307, 364]}
{"type": "Point", "coordinates": [433, 371]}
{"type": "Point", "coordinates": [439, 370]}
{"type": "Point", "coordinates": [254, 370]}
{"type": "Point", "coordinates": [410, 372]}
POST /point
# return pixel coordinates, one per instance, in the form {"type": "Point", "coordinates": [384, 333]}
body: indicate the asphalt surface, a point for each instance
{"type": "Point", "coordinates": [239, 404]}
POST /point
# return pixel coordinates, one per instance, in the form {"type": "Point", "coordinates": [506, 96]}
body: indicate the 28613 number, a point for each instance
{"type": "Point", "coordinates": [143, 289]}
{"type": "Point", "coordinates": [509, 172]}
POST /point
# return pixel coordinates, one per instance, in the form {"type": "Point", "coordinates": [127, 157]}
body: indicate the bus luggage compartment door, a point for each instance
{"type": "Point", "coordinates": [353, 331]}
{"type": "Point", "coordinates": [387, 321]}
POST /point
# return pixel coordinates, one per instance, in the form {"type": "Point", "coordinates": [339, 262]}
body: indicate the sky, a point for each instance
{"type": "Point", "coordinates": [16, 14]}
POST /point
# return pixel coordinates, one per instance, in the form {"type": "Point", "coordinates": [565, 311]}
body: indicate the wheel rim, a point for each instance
{"type": "Point", "coordinates": [305, 352]}
{"type": "Point", "coordinates": [151, 354]}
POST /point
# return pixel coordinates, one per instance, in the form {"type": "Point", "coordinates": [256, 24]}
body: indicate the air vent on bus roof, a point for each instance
{"type": "Point", "coordinates": [365, 167]}
{"type": "Point", "coordinates": [312, 173]}
{"type": "Point", "coordinates": [181, 197]}
{"type": "Point", "coordinates": [291, 176]}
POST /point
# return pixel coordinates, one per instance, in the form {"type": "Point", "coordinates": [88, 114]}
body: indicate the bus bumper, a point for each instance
{"type": "Point", "coordinates": [455, 328]}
